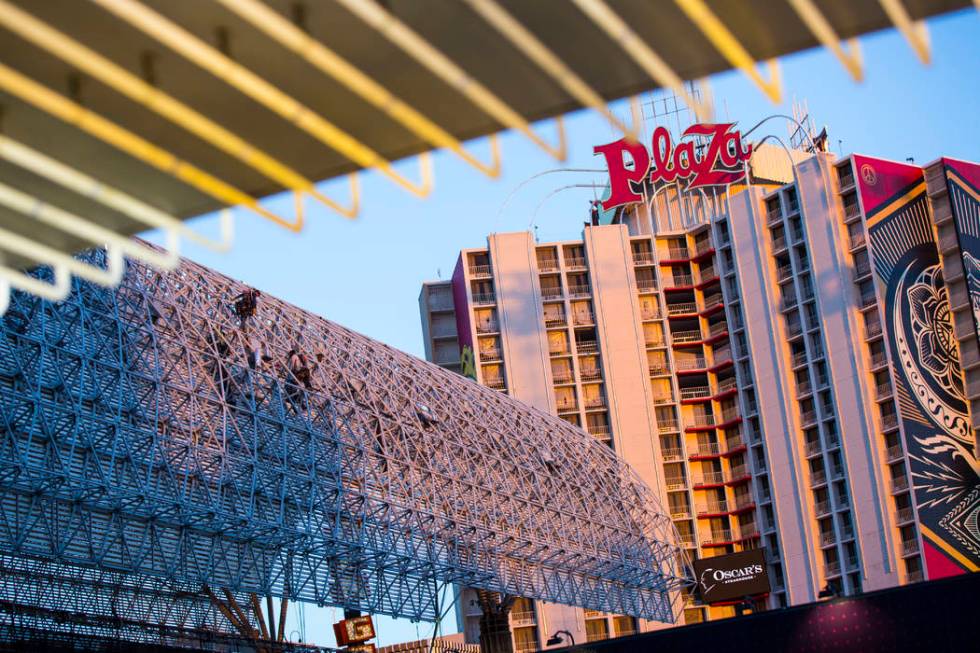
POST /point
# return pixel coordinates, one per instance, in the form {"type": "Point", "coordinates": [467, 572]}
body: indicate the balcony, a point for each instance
{"type": "Point", "coordinates": [718, 538]}
{"type": "Point", "coordinates": [717, 329]}
{"type": "Point", "coordinates": [745, 502]}
{"type": "Point", "coordinates": [496, 383]}
{"type": "Point", "coordinates": [862, 269]}
{"type": "Point", "coordinates": [774, 216]}
{"type": "Point", "coordinates": [867, 300]}
{"type": "Point", "coordinates": [659, 368]}
{"type": "Point", "coordinates": [879, 359]}
{"type": "Point", "coordinates": [852, 211]}
{"type": "Point", "coordinates": [872, 330]}
{"type": "Point", "coordinates": [695, 421]}
{"type": "Point", "coordinates": [675, 483]}
{"type": "Point", "coordinates": [688, 364]}
{"type": "Point", "coordinates": [857, 240]}
{"type": "Point", "coordinates": [883, 390]}
{"type": "Point", "coordinates": [583, 319]}
{"type": "Point", "coordinates": [705, 450]}
{"type": "Point", "coordinates": [646, 285]}
{"type": "Point", "coordinates": [894, 452]}
{"type": "Point", "coordinates": [799, 359]}
{"type": "Point", "coordinates": [784, 272]}
{"type": "Point", "coordinates": [551, 321]}
{"type": "Point", "coordinates": [567, 405]}
{"type": "Point", "coordinates": [822, 508]}
{"type": "Point", "coordinates": [525, 647]}
{"type": "Point", "coordinates": [671, 454]}
{"type": "Point", "coordinates": [827, 539]}
{"type": "Point", "coordinates": [808, 418]}
{"type": "Point", "coordinates": [679, 280]}
{"type": "Point", "coordinates": [587, 346]}
{"type": "Point", "coordinates": [680, 512]}
{"type": "Point", "coordinates": [700, 392]}
{"type": "Point", "coordinates": [726, 385]}
{"type": "Point", "coordinates": [704, 247]}
{"type": "Point", "coordinates": [729, 415]}
{"type": "Point", "coordinates": [523, 618]}
{"type": "Point", "coordinates": [832, 568]}
{"type": "Point", "coordinates": [650, 314]}
{"type": "Point", "coordinates": [480, 271]}
{"type": "Point", "coordinates": [813, 447]}
{"type": "Point", "coordinates": [484, 299]}
{"type": "Point", "coordinates": [709, 478]}
{"type": "Point", "coordinates": [818, 477]}
{"type": "Point", "coordinates": [905, 515]}
{"type": "Point", "coordinates": [593, 403]}
{"type": "Point", "coordinates": [846, 179]}
{"type": "Point", "coordinates": [915, 576]}
{"type": "Point", "coordinates": [803, 388]}
{"type": "Point", "coordinates": [599, 430]}
{"type": "Point", "coordinates": [712, 508]}
{"type": "Point", "coordinates": [707, 275]}
{"type": "Point", "coordinates": [487, 355]}
{"type": "Point", "coordinates": [580, 290]}
{"type": "Point", "coordinates": [889, 421]}
{"type": "Point", "coordinates": [551, 292]}
{"type": "Point", "coordinates": [575, 263]}
{"type": "Point", "coordinates": [653, 341]}
{"type": "Point", "coordinates": [487, 327]}
{"type": "Point", "coordinates": [910, 547]}
{"type": "Point", "coordinates": [565, 376]}
{"type": "Point", "coordinates": [738, 474]}
{"type": "Point", "coordinates": [590, 373]}
{"type": "Point", "coordinates": [660, 399]}
{"type": "Point", "coordinates": [778, 243]}
{"type": "Point", "coordinates": [682, 308]}
{"type": "Point", "coordinates": [668, 426]}
{"type": "Point", "coordinates": [687, 336]}
{"type": "Point", "coordinates": [675, 254]}
{"type": "Point", "coordinates": [558, 350]}
{"type": "Point", "coordinates": [643, 258]}
{"type": "Point", "coordinates": [712, 302]}
{"type": "Point", "coordinates": [900, 484]}
{"type": "Point", "coordinates": [547, 265]}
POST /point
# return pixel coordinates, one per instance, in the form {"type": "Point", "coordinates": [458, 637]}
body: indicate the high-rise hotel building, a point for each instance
{"type": "Point", "coordinates": [792, 365]}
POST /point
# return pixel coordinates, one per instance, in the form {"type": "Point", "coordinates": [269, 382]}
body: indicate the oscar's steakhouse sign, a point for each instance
{"type": "Point", "coordinates": [717, 164]}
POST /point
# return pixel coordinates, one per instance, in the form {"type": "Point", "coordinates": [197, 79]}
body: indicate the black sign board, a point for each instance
{"type": "Point", "coordinates": [732, 577]}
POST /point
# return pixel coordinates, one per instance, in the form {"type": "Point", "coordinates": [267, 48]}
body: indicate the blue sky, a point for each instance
{"type": "Point", "coordinates": [366, 274]}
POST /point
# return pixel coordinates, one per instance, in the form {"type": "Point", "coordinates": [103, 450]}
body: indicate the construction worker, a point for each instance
{"type": "Point", "coordinates": [246, 304]}
{"type": "Point", "coordinates": [299, 379]}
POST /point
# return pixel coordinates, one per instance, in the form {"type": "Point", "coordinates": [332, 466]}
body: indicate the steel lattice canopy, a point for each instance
{"type": "Point", "coordinates": [135, 438]}
{"type": "Point", "coordinates": [766, 29]}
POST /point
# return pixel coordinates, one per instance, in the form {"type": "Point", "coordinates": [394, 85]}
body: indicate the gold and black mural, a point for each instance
{"type": "Point", "coordinates": [932, 407]}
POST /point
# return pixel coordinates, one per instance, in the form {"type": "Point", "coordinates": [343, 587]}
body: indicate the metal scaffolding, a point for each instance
{"type": "Point", "coordinates": [152, 430]}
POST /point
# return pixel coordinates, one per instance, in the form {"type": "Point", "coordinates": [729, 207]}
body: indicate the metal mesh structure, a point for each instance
{"type": "Point", "coordinates": [153, 430]}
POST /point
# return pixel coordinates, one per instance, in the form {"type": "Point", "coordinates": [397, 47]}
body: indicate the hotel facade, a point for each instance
{"type": "Point", "coordinates": [791, 364]}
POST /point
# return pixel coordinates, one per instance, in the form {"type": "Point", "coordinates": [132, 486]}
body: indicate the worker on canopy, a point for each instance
{"type": "Point", "coordinates": [246, 304]}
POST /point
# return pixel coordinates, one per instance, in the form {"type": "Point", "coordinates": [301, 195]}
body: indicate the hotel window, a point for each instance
{"type": "Point", "coordinates": [596, 629]}
{"type": "Point", "coordinates": [623, 626]}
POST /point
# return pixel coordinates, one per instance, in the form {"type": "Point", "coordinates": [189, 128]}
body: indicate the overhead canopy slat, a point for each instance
{"type": "Point", "coordinates": [765, 29]}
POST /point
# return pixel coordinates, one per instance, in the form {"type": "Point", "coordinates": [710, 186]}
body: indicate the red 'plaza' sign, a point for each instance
{"type": "Point", "coordinates": [719, 164]}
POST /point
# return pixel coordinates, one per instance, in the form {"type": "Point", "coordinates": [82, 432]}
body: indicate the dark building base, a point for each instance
{"type": "Point", "coordinates": [932, 617]}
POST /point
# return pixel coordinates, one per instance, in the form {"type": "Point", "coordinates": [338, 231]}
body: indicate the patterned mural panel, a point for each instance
{"type": "Point", "coordinates": [963, 182]}
{"type": "Point", "coordinates": [929, 384]}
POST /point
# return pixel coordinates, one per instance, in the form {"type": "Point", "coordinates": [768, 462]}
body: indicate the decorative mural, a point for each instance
{"type": "Point", "coordinates": [932, 407]}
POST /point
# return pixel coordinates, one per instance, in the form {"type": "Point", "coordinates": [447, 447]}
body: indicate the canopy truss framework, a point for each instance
{"type": "Point", "coordinates": [135, 438]}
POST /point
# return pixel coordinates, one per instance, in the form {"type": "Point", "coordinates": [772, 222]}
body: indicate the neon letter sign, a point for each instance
{"type": "Point", "coordinates": [718, 165]}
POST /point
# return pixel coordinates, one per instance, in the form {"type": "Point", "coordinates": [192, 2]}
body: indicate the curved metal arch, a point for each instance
{"type": "Point", "coordinates": [137, 438]}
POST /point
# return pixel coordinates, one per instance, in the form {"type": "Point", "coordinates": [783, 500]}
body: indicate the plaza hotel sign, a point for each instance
{"type": "Point", "coordinates": [717, 163]}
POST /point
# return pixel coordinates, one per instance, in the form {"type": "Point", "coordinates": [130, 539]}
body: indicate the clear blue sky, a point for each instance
{"type": "Point", "coordinates": [367, 274]}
